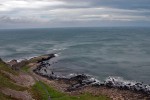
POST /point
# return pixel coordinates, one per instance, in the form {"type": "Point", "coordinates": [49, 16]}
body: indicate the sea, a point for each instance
{"type": "Point", "coordinates": [97, 51]}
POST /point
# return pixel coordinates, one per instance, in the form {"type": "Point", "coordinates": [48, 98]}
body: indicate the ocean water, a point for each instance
{"type": "Point", "coordinates": [101, 52]}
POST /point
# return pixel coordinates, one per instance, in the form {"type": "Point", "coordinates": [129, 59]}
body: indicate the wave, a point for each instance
{"type": "Point", "coordinates": [56, 55]}
{"type": "Point", "coordinates": [119, 82]}
{"type": "Point", "coordinates": [27, 58]}
{"type": "Point", "coordinates": [59, 49]}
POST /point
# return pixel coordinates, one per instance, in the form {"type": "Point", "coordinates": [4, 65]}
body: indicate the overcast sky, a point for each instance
{"type": "Point", "coordinates": [73, 13]}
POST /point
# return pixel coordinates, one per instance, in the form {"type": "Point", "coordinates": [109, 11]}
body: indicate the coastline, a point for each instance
{"type": "Point", "coordinates": [76, 84]}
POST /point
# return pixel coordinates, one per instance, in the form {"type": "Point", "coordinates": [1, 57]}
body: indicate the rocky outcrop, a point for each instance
{"type": "Point", "coordinates": [17, 65]}
{"type": "Point", "coordinates": [1, 60]}
{"type": "Point", "coordinates": [12, 62]}
{"type": "Point", "coordinates": [42, 58]}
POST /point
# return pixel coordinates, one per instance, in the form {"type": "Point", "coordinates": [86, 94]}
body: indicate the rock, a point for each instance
{"type": "Point", "coordinates": [76, 81]}
{"type": "Point", "coordinates": [12, 62]}
{"type": "Point", "coordinates": [1, 60]}
{"type": "Point", "coordinates": [18, 65]}
{"type": "Point", "coordinates": [42, 58]}
{"type": "Point", "coordinates": [120, 83]}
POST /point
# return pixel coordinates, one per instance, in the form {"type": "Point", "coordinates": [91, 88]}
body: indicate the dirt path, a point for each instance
{"type": "Point", "coordinates": [31, 73]}
{"type": "Point", "coordinates": [20, 95]}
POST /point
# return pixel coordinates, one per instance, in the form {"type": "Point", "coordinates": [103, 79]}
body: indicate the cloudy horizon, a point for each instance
{"type": "Point", "coordinates": [73, 13]}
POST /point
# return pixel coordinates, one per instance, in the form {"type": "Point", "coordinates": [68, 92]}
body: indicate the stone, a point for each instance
{"type": "Point", "coordinates": [12, 62]}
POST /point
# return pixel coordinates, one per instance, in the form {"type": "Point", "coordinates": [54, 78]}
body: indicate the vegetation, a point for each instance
{"type": "Point", "coordinates": [5, 81]}
{"type": "Point", "coordinates": [40, 94]}
{"type": "Point", "coordinates": [8, 83]}
{"type": "Point", "coordinates": [25, 69]}
{"type": "Point", "coordinates": [5, 67]}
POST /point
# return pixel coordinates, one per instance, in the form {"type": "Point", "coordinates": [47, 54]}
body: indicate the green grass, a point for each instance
{"type": "Point", "coordinates": [5, 67]}
{"type": "Point", "coordinates": [25, 69]}
{"type": "Point", "coordinates": [5, 81]}
{"type": "Point", "coordinates": [40, 94]}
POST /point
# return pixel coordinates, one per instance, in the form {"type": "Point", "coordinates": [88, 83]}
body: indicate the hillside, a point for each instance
{"type": "Point", "coordinates": [22, 85]}
{"type": "Point", "coordinates": [24, 81]}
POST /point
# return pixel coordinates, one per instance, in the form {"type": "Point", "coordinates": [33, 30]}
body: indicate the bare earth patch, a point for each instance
{"type": "Point", "coordinates": [21, 95]}
{"type": "Point", "coordinates": [21, 79]}
{"type": "Point", "coordinates": [115, 94]}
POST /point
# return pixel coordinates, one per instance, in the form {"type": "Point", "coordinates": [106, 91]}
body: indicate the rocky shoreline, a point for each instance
{"type": "Point", "coordinates": [79, 82]}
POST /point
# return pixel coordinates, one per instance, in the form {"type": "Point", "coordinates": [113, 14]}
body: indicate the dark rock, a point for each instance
{"type": "Point", "coordinates": [18, 65]}
{"type": "Point", "coordinates": [1, 60]}
{"type": "Point", "coordinates": [12, 62]}
{"type": "Point", "coordinates": [130, 85]}
{"type": "Point", "coordinates": [45, 57]}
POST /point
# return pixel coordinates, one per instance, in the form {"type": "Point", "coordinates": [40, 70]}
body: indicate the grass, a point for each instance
{"type": "Point", "coordinates": [40, 94]}
{"type": "Point", "coordinates": [5, 81]}
{"type": "Point", "coordinates": [25, 69]}
{"type": "Point", "coordinates": [5, 67]}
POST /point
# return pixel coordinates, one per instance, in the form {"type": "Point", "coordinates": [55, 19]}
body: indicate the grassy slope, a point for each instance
{"type": "Point", "coordinates": [25, 69]}
{"type": "Point", "coordinates": [5, 81]}
{"type": "Point", "coordinates": [8, 83]}
{"type": "Point", "coordinates": [40, 94]}
{"type": "Point", "coordinates": [5, 67]}
{"type": "Point", "coordinates": [37, 90]}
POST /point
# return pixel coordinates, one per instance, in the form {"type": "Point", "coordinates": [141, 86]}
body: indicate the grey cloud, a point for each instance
{"type": "Point", "coordinates": [121, 4]}
{"type": "Point", "coordinates": [74, 12]}
{"type": "Point", "coordinates": [7, 19]}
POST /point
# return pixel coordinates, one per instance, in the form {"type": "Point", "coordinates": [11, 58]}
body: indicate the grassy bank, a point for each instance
{"type": "Point", "coordinates": [5, 67]}
{"type": "Point", "coordinates": [5, 81]}
{"type": "Point", "coordinates": [40, 94]}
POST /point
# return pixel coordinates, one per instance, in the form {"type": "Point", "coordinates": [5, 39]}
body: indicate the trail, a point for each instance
{"type": "Point", "coordinates": [41, 84]}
